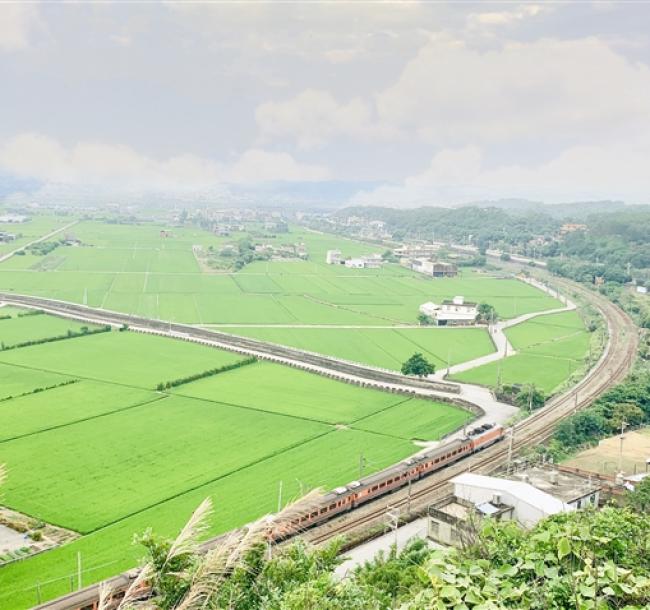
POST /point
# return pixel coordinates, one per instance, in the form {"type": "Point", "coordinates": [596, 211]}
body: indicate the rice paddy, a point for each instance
{"type": "Point", "coordinates": [549, 350]}
{"type": "Point", "coordinates": [105, 455]}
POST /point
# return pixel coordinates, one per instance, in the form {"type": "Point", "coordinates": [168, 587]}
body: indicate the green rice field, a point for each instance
{"type": "Point", "coordinates": [133, 269]}
{"type": "Point", "coordinates": [549, 349]}
{"type": "Point", "coordinates": [34, 328]}
{"type": "Point", "coordinates": [106, 456]}
{"type": "Point", "coordinates": [382, 347]}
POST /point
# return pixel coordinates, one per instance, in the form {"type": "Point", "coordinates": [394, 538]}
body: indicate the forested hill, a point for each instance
{"type": "Point", "coordinates": [457, 224]}
{"type": "Point", "coordinates": [614, 245]}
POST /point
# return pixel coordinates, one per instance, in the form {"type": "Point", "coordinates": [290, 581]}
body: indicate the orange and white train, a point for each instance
{"type": "Point", "coordinates": [392, 478]}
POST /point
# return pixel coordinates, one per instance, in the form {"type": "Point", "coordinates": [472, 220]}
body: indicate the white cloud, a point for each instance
{"type": "Point", "coordinates": [105, 165]}
{"type": "Point", "coordinates": [17, 22]}
{"type": "Point", "coordinates": [257, 165]}
{"type": "Point", "coordinates": [314, 117]}
{"type": "Point", "coordinates": [509, 17]}
{"type": "Point", "coordinates": [453, 94]}
{"type": "Point", "coordinates": [580, 173]}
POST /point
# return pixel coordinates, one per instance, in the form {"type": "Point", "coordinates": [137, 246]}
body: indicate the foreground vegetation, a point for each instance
{"type": "Point", "coordinates": [583, 560]}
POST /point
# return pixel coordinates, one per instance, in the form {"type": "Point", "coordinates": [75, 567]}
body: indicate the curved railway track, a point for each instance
{"type": "Point", "coordinates": [611, 368]}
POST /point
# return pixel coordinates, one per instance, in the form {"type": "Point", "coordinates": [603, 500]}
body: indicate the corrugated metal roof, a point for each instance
{"type": "Point", "coordinates": [525, 492]}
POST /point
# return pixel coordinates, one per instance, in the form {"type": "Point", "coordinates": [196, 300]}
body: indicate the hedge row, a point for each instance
{"type": "Point", "coordinates": [37, 390]}
{"type": "Point", "coordinates": [183, 380]}
{"type": "Point", "coordinates": [69, 335]}
{"type": "Point", "coordinates": [31, 312]}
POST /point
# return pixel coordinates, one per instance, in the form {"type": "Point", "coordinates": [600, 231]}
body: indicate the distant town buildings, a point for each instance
{"type": "Point", "coordinates": [526, 496]}
{"type": "Point", "coordinates": [297, 250]}
{"type": "Point", "coordinates": [416, 250]}
{"type": "Point", "coordinates": [6, 237]}
{"type": "Point", "coordinates": [572, 227]}
{"type": "Point", "coordinates": [13, 218]}
{"type": "Point", "coordinates": [368, 261]}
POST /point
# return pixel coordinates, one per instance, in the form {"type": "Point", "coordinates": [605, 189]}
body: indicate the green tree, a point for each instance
{"type": "Point", "coordinates": [424, 319]}
{"type": "Point", "coordinates": [418, 365]}
{"type": "Point", "coordinates": [530, 397]}
{"type": "Point", "coordinates": [487, 312]}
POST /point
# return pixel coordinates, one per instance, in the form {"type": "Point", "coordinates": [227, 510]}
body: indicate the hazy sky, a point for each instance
{"type": "Point", "coordinates": [409, 103]}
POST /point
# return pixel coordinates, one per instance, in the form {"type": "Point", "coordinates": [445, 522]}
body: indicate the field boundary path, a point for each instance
{"type": "Point", "coordinates": [8, 255]}
{"type": "Point", "coordinates": [504, 348]}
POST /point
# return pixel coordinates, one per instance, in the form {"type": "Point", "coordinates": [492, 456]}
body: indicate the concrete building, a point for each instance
{"type": "Point", "coordinates": [333, 257]}
{"type": "Point", "coordinates": [429, 309]}
{"type": "Point", "coordinates": [527, 496]}
{"type": "Point", "coordinates": [433, 268]}
{"type": "Point", "coordinates": [355, 263]}
{"type": "Point", "coordinates": [416, 250]}
{"type": "Point", "coordinates": [372, 261]}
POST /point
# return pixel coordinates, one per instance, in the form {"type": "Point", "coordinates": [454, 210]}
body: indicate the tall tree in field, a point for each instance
{"type": "Point", "coordinates": [418, 365]}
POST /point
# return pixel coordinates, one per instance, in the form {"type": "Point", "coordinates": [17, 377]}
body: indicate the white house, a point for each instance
{"type": "Point", "coordinates": [429, 309]}
{"type": "Point", "coordinates": [333, 257]}
{"type": "Point", "coordinates": [355, 263]}
{"type": "Point", "coordinates": [451, 313]}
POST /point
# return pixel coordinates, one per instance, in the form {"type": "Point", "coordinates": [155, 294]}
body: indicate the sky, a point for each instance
{"type": "Point", "coordinates": [365, 103]}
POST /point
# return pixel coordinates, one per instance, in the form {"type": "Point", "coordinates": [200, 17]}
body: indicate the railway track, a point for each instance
{"type": "Point", "coordinates": [311, 361]}
{"type": "Point", "coordinates": [611, 368]}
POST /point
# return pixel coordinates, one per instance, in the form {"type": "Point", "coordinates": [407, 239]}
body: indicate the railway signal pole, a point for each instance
{"type": "Point", "coordinates": [392, 520]}
{"type": "Point", "coordinates": [510, 447]}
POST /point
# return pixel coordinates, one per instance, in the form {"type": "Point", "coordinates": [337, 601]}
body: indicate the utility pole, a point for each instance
{"type": "Point", "coordinates": [575, 402]}
{"type": "Point", "coordinates": [510, 447]}
{"type": "Point", "coordinates": [280, 497]}
{"type": "Point", "coordinates": [448, 359]}
{"type": "Point", "coordinates": [79, 570]}
{"type": "Point", "coordinates": [620, 453]}
{"type": "Point", "coordinates": [408, 501]}
{"type": "Point", "coordinates": [362, 464]}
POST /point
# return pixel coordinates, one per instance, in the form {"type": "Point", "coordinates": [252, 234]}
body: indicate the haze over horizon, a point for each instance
{"type": "Point", "coordinates": [401, 104]}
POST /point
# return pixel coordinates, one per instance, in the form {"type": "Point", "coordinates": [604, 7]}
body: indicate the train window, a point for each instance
{"type": "Point", "coordinates": [437, 460]}
{"type": "Point", "coordinates": [323, 510]}
{"type": "Point", "coordinates": [314, 514]}
{"type": "Point", "coordinates": [382, 484]}
{"type": "Point", "coordinates": [332, 506]}
{"type": "Point", "coordinates": [374, 488]}
{"type": "Point", "coordinates": [389, 481]}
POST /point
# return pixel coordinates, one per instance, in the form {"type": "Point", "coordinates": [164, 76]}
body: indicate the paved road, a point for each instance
{"type": "Point", "coordinates": [504, 347]}
{"type": "Point", "coordinates": [8, 255]}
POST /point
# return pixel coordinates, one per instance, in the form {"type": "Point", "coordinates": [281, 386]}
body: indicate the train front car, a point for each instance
{"type": "Point", "coordinates": [485, 435]}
